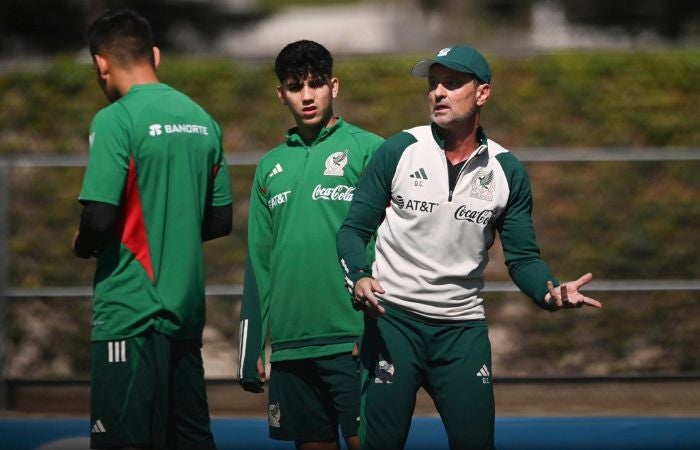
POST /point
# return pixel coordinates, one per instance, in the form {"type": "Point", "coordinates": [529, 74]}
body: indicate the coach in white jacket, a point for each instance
{"type": "Point", "coordinates": [436, 195]}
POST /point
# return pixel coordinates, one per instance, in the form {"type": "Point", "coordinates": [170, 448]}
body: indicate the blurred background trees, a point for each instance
{"type": "Point", "coordinates": [30, 27]}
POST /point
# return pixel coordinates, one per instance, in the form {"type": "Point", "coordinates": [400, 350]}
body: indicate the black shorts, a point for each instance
{"type": "Point", "coordinates": [149, 390]}
{"type": "Point", "coordinates": [311, 398]}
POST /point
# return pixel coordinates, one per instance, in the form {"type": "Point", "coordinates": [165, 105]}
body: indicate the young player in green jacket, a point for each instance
{"type": "Point", "coordinates": [293, 286]}
{"type": "Point", "coordinates": [156, 186]}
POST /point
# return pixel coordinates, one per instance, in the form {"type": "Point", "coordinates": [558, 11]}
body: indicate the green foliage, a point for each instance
{"type": "Point", "coordinates": [275, 5]}
{"type": "Point", "coordinates": [623, 220]}
{"type": "Point", "coordinates": [379, 94]}
{"type": "Point", "coordinates": [592, 99]}
{"type": "Point", "coordinates": [562, 99]}
{"type": "Point", "coordinates": [47, 111]}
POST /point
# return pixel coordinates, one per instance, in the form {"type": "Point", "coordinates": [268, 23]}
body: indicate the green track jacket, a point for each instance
{"type": "Point", "coordinates": [293, 284]}
{"type": "Point", "coordinates": [432, 242]}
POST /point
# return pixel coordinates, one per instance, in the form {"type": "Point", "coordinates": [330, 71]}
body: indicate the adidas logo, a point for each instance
{"type": "Point", "coordinates": [277, 169]}
{"type": "Point", "coordinates": [483, 372]}
{"type": "Point", "coordinates": [420, 174]}
{"type": "Point", "coordinates": [98, 427]}
{"type": "Point", "coordinates": [116, 351]}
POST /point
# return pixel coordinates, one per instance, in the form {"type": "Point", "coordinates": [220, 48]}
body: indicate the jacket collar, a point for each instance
{"type": "Point", "coordinates": [294, 138]}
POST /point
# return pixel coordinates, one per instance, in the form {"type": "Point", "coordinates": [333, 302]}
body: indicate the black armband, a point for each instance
{"type": "Point", "coordinates": [218, 221]}
{"type": "Point", "coordinates": [97, 223]}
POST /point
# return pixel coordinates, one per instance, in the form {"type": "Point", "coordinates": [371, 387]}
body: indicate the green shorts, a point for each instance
{"type": "Point", "coordinates": [149, 390]}
{"type": "Point", "coordinates": [402, 352]}
{"type": "Point", "coordinates": [310, 398]}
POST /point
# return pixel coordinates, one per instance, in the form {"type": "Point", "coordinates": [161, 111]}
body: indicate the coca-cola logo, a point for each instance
{"type": "Point", "coordinates": [483, 217]}
{"type": "Point", "coordinates": [338, 193]}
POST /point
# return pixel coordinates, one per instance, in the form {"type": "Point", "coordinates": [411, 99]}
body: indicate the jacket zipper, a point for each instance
{"type": "Point", "coordinates": [459, 174]}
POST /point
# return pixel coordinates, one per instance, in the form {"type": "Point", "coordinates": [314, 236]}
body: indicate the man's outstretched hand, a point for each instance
{"type": "Point", "coordinates": [567, 295]}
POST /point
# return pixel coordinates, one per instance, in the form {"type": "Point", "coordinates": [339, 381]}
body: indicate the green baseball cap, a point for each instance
{"type": "Point", "coordinates": [460, 58]}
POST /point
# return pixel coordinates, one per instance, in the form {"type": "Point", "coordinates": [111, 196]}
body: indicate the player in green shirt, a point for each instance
{"type": "Point", "coordinates": [293, 286]}
{"type": "Point", "coordinates": [156, 186]}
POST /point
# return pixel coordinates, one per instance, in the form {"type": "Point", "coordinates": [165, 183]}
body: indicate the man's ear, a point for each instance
{"type": "Point", "coordinates": [482, 94]}
{"type": "Point", "coordinates": [280, 95]}
{"type": "Point", "coordinates": [102, 66]}
{"type": "Point", "coordinates": [156, 57]}
{"type": "Point", "coordinates": [335, 87]}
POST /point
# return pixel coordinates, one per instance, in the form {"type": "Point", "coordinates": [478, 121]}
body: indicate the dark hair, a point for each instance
{"type": "Point", "coordinates": [124, 34]}
{"type": "Point", "coordinates": [302, 58]}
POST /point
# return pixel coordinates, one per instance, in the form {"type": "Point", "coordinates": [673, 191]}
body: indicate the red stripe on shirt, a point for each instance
{"type": "Point", "coordinates": [134, 235]}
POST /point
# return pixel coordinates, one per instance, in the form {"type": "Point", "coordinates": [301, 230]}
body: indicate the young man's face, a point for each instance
{"type": "Point", "coordinates": [454, 97]}
{"type": "Point", "coordinates": [310, 100]}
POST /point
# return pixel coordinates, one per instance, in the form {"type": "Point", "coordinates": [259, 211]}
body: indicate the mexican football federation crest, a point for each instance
{"type": "Point", "coordinates": [482, 185]}
{"type": "Point", "coordinates": [384, 373]}
{"type": "Point", "coordinates": [273, 415]}
{"type": "Point", "coordinates": [335, 163]}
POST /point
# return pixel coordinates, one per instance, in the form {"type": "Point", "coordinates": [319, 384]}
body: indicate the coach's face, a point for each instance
{"type": "Point", "coordinates": [310, 100]}
{"type": "Point", "coordinates": [454, 97]}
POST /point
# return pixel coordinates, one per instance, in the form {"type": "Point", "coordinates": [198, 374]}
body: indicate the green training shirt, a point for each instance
{"type": "Point", "coordinates": [157, 155]}
{"type": "Point", "coordinates": [299, 198]}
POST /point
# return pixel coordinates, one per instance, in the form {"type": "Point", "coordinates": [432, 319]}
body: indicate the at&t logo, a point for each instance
{"type": "Point", "coordinates": [414, 205]}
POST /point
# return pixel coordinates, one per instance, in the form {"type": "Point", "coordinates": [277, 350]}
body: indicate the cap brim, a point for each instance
{"type": "Point", "coordinates": [422, 68]}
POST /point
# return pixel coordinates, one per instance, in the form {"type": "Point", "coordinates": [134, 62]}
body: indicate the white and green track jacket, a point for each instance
{"type": "Point", "coordinates": [433, 239]}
